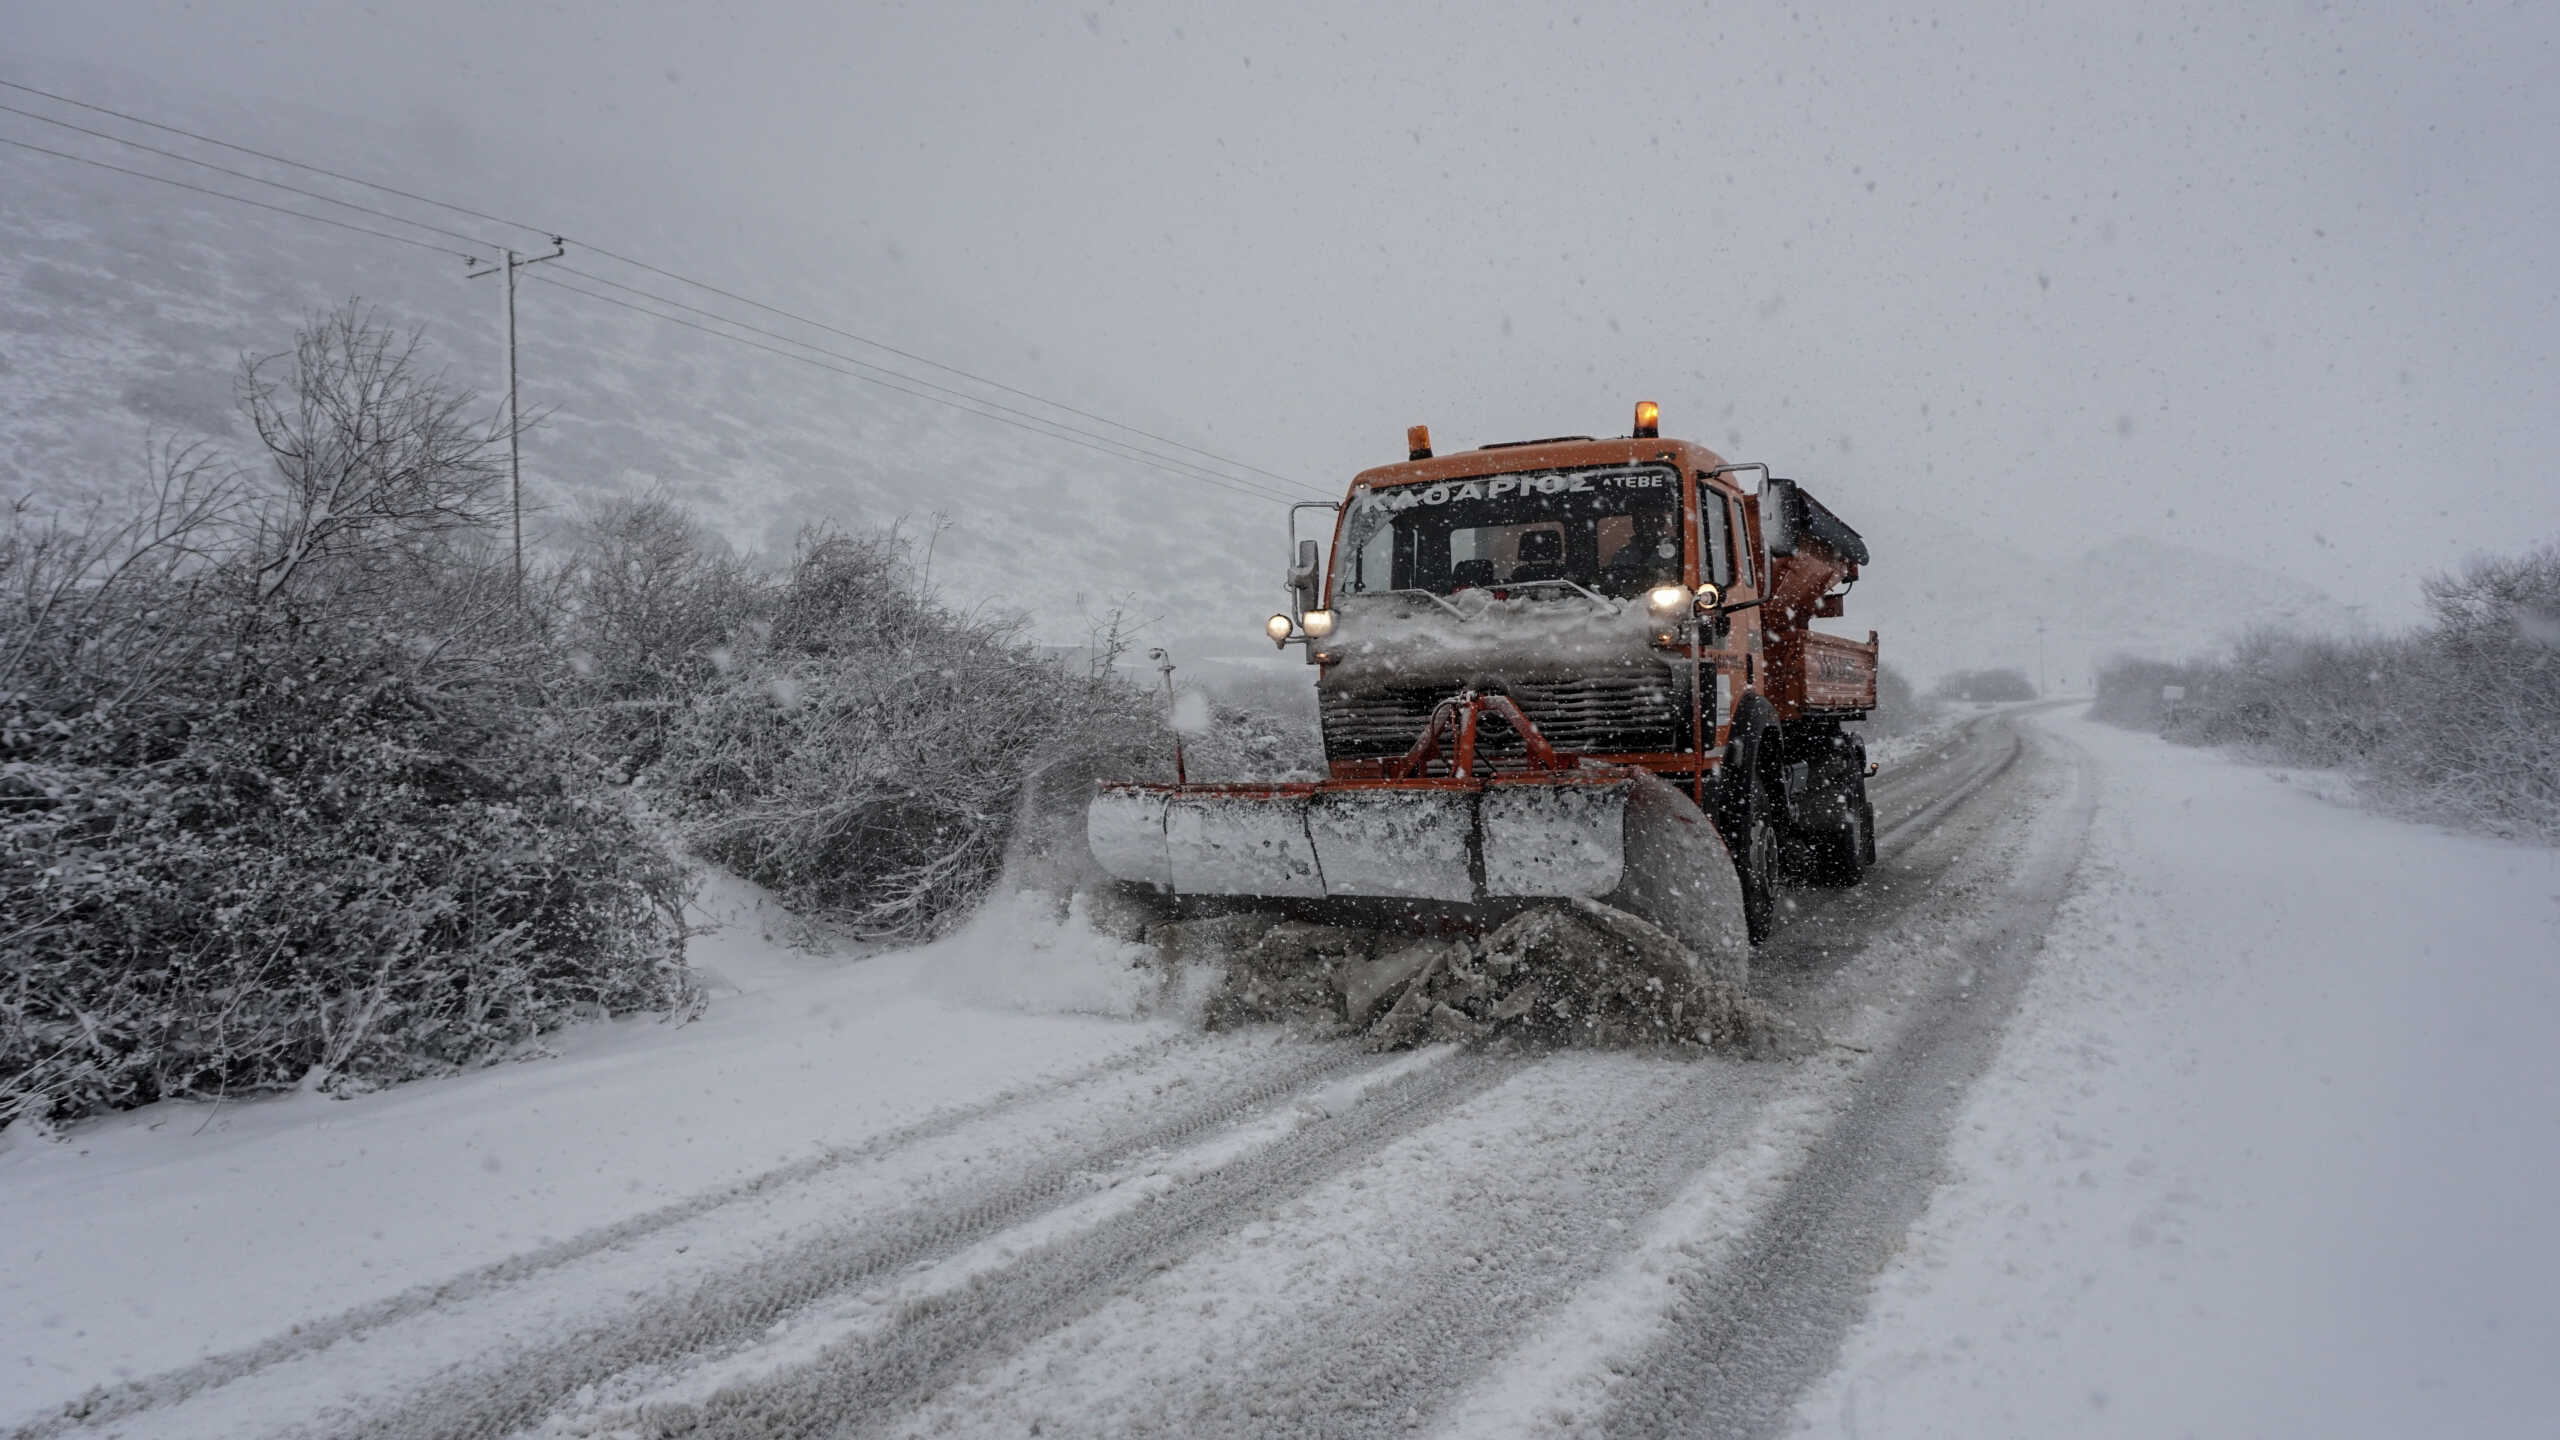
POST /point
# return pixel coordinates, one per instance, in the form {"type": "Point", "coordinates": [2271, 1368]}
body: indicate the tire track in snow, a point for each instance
{"type": "Point", "coordinates": [1926, 827]}
{"type": "Point", "coordinates": [863, 1386]}
{"type": "Point", "coordinates": [141, 1398]}
{"type": "Point", "coordinates": [873, 1378]}
{"type": "Point", "coordinates": [1749, 1333]}
{"type": "Point", "coordinates": [1874, 966]}
{"type": "Point", "coordinates": [1945, 800]}
{"type": "Point", "coordinates": [1903, 773]}
{"type": "Point", "coordinates": [1719, 1141]}
{"type": "Point", "coordinates": [1354, 1311]}
{"type": "Point", "coordinates": [1913, 771]}
{"type": "Point", "coordinates": [489, 1401]}
{"type": "Point", "coordinates": [837, 1324]}
{"type": "Point", "coordinates": [1490, 1256]}
{"type": "Point", "coordinates": [172, 1387]}
{"type": "Point", "coordinates": [1372, 1325]}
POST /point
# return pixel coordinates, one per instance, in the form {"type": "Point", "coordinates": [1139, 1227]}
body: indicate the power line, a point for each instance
{"type": "Point", "coordinates": [936, 364]}
{"type": "Point", "coordinates": [263, 155]}
{"type": "Point", "coordinates": [253, 179]}
{"type": "Point", "coordinates": [1100, 447]}
{"type": "Point", "coordinates": [243, 199]}
{"type": "Point", "coordinates": [1110, 448]}
{"type": "Point", "coordinates": [638, 264]}
{"type": "Point", "coordinates": [976, 404]}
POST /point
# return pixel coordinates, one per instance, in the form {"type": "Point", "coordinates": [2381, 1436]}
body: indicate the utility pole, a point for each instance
{"type": "Point", "coordinates": [515, 424]}
{"type": "Point", "coordinates": [1164, 664]}
{"type": "Point", "coordinates": [2039, 645]}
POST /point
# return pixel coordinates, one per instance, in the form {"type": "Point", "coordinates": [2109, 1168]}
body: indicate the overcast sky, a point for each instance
{"type": "Point", "coordinates": [2276, 280]}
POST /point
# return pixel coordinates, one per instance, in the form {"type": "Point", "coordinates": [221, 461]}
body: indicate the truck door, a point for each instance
{"type": "Point", "coordinates": [1723, 555]}
{"type": "Point", "coordinates": [1715, 540]}
{"type": "Point", "coordinates": [1750, 582]}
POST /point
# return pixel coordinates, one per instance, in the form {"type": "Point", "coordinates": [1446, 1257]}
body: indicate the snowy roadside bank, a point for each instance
{"type": "Point", "coordinates": [2268, 1149]}
{"type": "Point", "coordinates": [149, 1239]}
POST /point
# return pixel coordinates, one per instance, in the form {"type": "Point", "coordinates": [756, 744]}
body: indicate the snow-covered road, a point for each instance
{"type": "Point", "coordinates": [972, 1190]}
{"type": "Point", "coordinates": [2272, 1147]}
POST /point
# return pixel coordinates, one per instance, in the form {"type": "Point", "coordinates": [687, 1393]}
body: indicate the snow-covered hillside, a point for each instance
{"type": "Point", "coordinates": [125, 307]}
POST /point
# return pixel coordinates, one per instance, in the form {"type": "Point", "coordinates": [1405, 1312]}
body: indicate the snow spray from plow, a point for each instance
{"type": "Point", "coordinates": [1585, 900]}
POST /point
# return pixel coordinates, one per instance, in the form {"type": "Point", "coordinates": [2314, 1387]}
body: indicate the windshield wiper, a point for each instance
{"type": "Point", "coordinates": [1489, 592]}
{"type": "Point", "coordinates": [1435, 598]}
{"type": "Point", "coordinates": [1607, 605]}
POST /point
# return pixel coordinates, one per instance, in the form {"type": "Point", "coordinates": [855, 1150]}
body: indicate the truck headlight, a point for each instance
{"type": "Point", "coordinates": [1318, 623]}
{"type": "Point", "coordinates": [1278, 628]}
{"type": "Point", "coordinates": [1709, 597]}
{"type": "Point", "coordinates": [1667, 598]}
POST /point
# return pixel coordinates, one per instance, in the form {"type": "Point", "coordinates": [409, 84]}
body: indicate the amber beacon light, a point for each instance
{"type": "Point", "coordinates": [1417, 442]}
{"type": "Point", "coordinates": [1648, 420]}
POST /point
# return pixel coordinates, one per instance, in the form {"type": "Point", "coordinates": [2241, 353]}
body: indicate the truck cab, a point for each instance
{"type": "Point", "coordinates": [1632, 598]}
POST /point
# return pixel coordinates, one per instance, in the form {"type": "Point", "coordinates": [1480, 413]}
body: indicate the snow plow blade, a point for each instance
{"type": "Point", "coordinates": [1438, 851]}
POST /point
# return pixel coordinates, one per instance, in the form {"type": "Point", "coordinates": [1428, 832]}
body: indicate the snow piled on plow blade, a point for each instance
{"type": "Point", "coordinates": [1624, 838]}
{"type": "Point", "coordinates": [1227, 844]}
{"type": "Point", "coordinates": [1410, 844]}
{"type": "Point", "coordinates": [1425, 840]}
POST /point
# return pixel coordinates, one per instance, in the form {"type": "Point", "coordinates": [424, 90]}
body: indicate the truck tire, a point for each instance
{"type": "Point", "coordinates": [1839, 858]}
{"type": "Point", "coordinates": [1832, 836]}
{"type": "Point", "coordinates": [1758, 861]}
{"type": "Point", "coordinates": [1748, 813]}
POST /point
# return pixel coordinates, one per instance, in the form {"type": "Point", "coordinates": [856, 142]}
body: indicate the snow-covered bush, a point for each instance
{"type": "Point", "coordinates": [2482, 701]}
{"type": "Point", "coordinates": [1256, 727]}
{"type": "Point", "coordinates": [651, 606]}
{"type": "Point", "coordinates": [2311, 699]}
{"type": "Point", "coordinates": [2457, 720]}
{"type": "Point", "coordinates": [279, 803]}
{"type": "Point", "coordinates": [869, 755]}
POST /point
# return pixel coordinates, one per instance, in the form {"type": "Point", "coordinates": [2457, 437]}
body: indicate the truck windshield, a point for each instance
{"type": "Point", "coordinates": [1613, 530]}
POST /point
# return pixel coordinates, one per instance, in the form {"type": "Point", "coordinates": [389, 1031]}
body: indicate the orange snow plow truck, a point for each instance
{"type": "Point", "coordinates": [1573, 676]}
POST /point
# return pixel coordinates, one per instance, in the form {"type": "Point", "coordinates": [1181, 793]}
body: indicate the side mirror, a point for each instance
{"type": "Point", "coordinates": [1778, 514]}
{"type": "Point", "coordinates": [1306, 574]}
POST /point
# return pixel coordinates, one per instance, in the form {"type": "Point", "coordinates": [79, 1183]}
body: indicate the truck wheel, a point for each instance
{"type": "Point", "coordinates": [1757, 860]}
{"type": "Point", "coordinates": [1840, 857]}
{"type": "Point", "coordinates": [1749, 807]}
{"type": "Point", "coordinates": [1755, 847]}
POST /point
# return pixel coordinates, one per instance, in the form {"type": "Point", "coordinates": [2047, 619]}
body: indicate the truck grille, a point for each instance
{"type": "Point", "coordinates": [1589, 717]}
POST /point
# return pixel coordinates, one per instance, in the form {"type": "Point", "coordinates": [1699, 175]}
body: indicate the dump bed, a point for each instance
{"type": "Point", "coordinates": [1811, 550]}
{"type": "Point", "coordinates": [1811, 673]}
